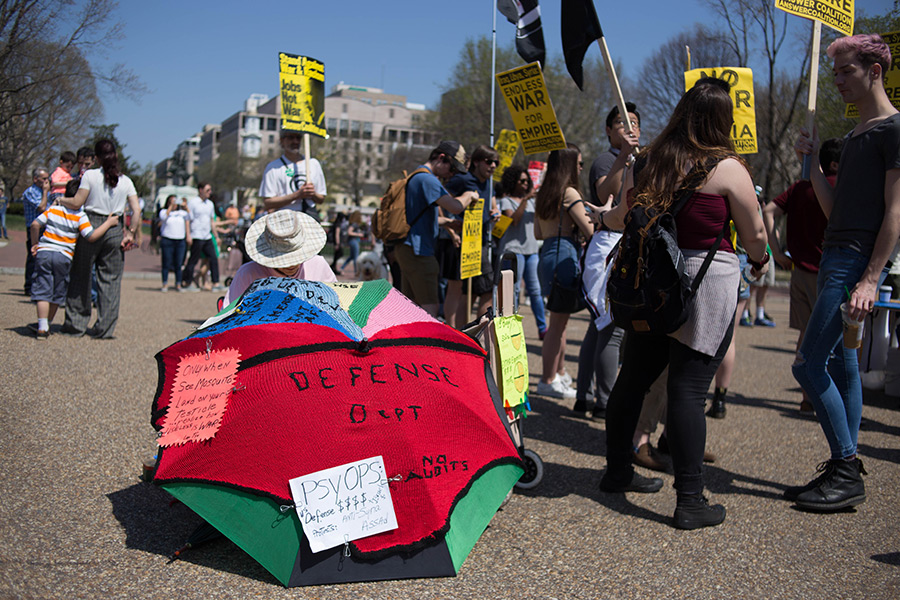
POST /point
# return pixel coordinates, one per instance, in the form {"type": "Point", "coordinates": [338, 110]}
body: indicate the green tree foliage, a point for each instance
{"type": "Point", "coordinates": [136, 172]}
{"type": "Point", "coordinates": [229, 173]}
{"type": "Point", "coordinates": [465, 108]}
{"type": "Point", "coordinates": [51, 55]}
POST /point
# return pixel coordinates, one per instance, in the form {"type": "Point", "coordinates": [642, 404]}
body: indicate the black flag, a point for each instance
{"type": "Point", "coordinates": [580, 28]}
{"type": "Point", "coordinates": [526, 15]}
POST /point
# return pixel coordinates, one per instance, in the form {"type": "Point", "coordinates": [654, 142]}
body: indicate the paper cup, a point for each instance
{"type": "Point", "coordinates": [853, 330]}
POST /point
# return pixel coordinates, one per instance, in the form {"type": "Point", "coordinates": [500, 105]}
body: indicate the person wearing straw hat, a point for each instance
{"type": "Point", "coordinates": [285, 243]}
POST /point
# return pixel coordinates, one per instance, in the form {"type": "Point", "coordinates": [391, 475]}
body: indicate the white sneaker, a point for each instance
{"type": "Point", "coordinates": [565, 378]}
{"type": "Point", "coordinates": [555, 389]}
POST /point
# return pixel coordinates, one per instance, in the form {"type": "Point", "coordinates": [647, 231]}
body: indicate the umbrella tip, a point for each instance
{"type": "Point", "coordinates": [363, 345]}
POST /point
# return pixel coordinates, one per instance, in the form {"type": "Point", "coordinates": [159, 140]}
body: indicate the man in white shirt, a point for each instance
{"type": "Point", "coordinates": [285, 182]}
{"type": "Point", "coordinates": [203, 223]}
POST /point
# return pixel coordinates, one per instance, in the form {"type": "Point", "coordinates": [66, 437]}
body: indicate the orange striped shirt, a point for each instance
{"type": "Point", "coordinates": [62, 227]}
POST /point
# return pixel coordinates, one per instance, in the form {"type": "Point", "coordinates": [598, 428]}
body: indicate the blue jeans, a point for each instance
{"type": "Point", "coordinates": [172, 251]}
{"type": "Point", "coordinates": [527, 272]}
{"type": "Point", "coordinates": [354, 254]}
{"type": "Point", "coordinates": [559, 257]}
{"type": "Point", "coordinates": [826, 370]}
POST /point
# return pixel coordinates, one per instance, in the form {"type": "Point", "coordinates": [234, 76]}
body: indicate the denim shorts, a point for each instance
{"type": "Point", "coordinates": [51, 277]}
{"type": "Point", "coordinates": [559, 257]}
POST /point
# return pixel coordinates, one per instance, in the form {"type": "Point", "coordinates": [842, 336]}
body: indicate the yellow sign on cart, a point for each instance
{"type": "Point", "coordinates": [470, 260]}
{"type": "Point", "coordinates": [513, 355]}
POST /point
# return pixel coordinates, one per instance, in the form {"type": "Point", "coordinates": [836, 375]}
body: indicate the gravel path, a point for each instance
{"type": "Point", "coordinates": [76, 522]}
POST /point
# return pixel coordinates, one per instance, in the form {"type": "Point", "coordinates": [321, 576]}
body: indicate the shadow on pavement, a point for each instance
{"type": "Point", "coordinates": [154, 524]}
{"type": "Point", "coordinates": [891, 558]}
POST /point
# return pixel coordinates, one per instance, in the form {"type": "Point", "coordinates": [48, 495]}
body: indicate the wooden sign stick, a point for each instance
{"type": "Point", "coordinates": [306, 155]}
{"type": "Point", "coordinates": [617, 89]}
{"type": "Point", "coordinates": [811, 99]}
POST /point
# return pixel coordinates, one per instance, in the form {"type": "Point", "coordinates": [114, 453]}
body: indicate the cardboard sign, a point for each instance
{"type": "Point", "coordinates": [529, 104]}
{"type": "Point", "coordinates": [507, 145]}
{"type": "Point", "coordinates": [200, 393]}
{"type": "Point", "coordinates": [510, 336]}
{"type": "Point", "coordinates": [344, 503]}
{"type": "Point", "coordinates": [837, 14]}
{"type": "Point", "coordinates": [500, 227]}
{"type": "Point", "coordinates": [302, 83]}
{"type": "Point", "coordinates": [470, 260]}
{"type": "Point", "coordinates": [743, 132]}
{"type": "Point", "coordinates": [892, 77]}
{"type": "Point", "coordinates": [536, 170]}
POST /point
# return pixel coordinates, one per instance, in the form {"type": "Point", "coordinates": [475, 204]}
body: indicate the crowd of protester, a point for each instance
{"type": "Point", "coordinates": [842, 228]}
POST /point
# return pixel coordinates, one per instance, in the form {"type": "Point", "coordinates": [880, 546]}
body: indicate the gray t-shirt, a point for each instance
{"type": "Point", "coordinates": [859, 193]}
{"type": "Point", "coordinates": [519, 239]}
{"type": "Point", "coordinates": [600, 168]}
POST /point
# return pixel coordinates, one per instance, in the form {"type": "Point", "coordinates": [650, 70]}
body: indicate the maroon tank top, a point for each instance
{"type": "Point", "coordinates": [701, 220]}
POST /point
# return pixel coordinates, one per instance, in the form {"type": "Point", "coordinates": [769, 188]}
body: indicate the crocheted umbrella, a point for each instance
{"type": "Point", "coordinates": [297, 377]}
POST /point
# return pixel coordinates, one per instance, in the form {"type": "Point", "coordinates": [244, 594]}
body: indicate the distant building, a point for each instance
{"type": "Point", "coordinates": [365, 126]}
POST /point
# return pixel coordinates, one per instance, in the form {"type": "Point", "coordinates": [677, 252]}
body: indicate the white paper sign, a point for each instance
{"type": "Point", "coordinates": [344, 503]}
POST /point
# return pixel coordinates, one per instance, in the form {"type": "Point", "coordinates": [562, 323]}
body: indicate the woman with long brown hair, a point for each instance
{"type": "Point", "coordinates": [560, 217]}
{"type": "Point", "coordinates": [102, 192]}
{"type": "Point", "coordinates": [695, 146]}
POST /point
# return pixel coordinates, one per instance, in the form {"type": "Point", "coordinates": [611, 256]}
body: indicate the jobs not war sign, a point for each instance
{"type": "Point", "coordinates": [470, 259]}
{"type": "Point", "coordinates": [837, 14]}
{"type": "Point", "coordinates": [743, 132]}
{"type": "Point", "coordinates": [302, 83]}
{"type": "Point", "coordinates": [529, 104]}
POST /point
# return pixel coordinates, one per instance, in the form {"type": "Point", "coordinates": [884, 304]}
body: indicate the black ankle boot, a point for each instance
{"type": "Point", "coordinates": [824, 470]}
{"type": "Point", "coordinates": [717, 408]}
{"type": "Point", "coordinates": [693, 511]}
{"type": "Point", "coordinates": [841, 488]}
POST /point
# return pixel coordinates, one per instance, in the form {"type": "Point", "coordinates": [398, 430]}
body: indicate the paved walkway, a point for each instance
{"type": "Point", "coordinates": [75, 521]}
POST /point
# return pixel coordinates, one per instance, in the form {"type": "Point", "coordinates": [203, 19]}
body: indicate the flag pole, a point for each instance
{"type": "Point", "coordinates": [811, 98]}
{"type": "Point", "coordinates": [617, 89]}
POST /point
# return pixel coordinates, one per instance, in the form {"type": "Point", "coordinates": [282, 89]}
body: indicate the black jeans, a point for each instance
{"type": "Point", "coordinates": [202, 249]}
{"type": "Point", "coordinates": [690, 373]}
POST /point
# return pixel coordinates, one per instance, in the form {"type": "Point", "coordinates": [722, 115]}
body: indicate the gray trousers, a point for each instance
{"type": "Point", "coordinates": [599, 356]}
{"type": "Point", "coordinates": [107, 257]}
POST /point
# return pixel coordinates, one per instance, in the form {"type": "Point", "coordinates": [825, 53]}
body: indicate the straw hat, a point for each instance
{"type": "Point", "coordinates": [284, 238]}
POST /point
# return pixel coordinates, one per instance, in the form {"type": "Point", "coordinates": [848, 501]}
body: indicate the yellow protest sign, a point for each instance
{"type": "Point", "coordinates": [511, 349]}
{"type": "Point", "coordinates": [529, 104]}
{"type": "Point", "coordinates": [302, 83]}
{"type": "Point", "coordinates": [470, 260]}
{"type": "Point", "coordinates": [507, 145]}
{"type": "Point", "coordinates": [837, 14]}
{"type": "Point", "coordinates": [892, 77]}
{"type": "Point", "coordinates": [743, 132]}
{"type": "Point", "coordinates": [500, 227]}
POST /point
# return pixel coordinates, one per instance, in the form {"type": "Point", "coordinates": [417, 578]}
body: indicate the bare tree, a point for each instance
{"type": "Point", "coordinates": [49, 51]}
{"type": "Point", "coordinates": [661, 81]}
{"type": "Point", "coordinates": [756, 27]}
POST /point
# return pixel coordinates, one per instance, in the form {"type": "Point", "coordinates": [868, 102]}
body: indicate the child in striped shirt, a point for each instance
{"type": "Point", "coordinates": [53, 254]}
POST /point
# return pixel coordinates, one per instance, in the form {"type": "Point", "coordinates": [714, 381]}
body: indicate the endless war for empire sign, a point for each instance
{"type": "Point", "coordinates": [531, 110]}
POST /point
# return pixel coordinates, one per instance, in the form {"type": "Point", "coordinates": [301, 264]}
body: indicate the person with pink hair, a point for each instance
{"type": "Point", "coordinates": [863, 210]}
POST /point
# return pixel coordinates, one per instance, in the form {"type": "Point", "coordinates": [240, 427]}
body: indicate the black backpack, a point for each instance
{"type": "Point", "coordinates": [648, 289]}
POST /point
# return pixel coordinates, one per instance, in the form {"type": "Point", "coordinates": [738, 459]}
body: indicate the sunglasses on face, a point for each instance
{"type": "Point", "coordinates": [491, 161]}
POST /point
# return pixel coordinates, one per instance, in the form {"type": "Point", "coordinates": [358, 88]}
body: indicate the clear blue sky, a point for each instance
{"type": "Point", "coordinates": [200, 59]}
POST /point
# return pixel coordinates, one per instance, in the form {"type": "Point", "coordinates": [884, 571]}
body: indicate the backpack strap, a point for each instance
{"type": "Point", "coordinates": [679, 204]}
{"type": "Point", "coordinates": [421, 214]}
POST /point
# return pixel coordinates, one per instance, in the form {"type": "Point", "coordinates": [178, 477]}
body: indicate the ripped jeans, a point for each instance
{"type": "Point", "coordinates": [826, 370]}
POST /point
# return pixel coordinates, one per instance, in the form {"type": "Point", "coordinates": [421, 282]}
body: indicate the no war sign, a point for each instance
{"type": "Point", "coordinates": [743, 132]}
